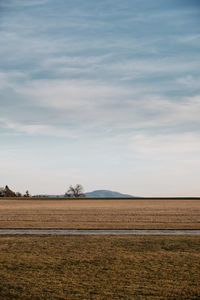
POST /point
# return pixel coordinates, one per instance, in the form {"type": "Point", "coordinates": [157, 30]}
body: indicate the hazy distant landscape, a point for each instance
{"type": "Point", "coordinates": [98, 194]}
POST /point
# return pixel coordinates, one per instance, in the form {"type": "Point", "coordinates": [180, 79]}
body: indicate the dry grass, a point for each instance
{"type": "Point", "coordinates": [149, 214]}
{"type": "Point", "coordinates": [99, 267]}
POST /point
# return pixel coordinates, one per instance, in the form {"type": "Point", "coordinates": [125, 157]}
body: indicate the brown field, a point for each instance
{"type": "Point", "coordinates": [99, 267]}
{"type": "Point", "coordinates": [91, 213]}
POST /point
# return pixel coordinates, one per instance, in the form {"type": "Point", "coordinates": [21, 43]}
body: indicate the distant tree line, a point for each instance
{"type": "Point", "coordinates": [7, 192]}
{"type": "Point", "coordinates": [72, 192]}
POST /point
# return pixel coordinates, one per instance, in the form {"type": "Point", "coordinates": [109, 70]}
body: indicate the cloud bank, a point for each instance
{"type": "Point", "coordinates": [121, 78]}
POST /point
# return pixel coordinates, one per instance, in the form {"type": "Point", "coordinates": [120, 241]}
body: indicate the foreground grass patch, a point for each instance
{"type": "Point", "coordinates": [99, 267]}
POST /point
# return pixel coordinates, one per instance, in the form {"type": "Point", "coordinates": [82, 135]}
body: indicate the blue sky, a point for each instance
{"type": "Point", "coordinates": [102, 93]}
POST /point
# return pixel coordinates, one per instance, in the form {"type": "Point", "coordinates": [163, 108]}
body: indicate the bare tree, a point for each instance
{"type": "Point", "coordinates": [76, 191]}
{"type": "Point", "coordinates": [27, 194]}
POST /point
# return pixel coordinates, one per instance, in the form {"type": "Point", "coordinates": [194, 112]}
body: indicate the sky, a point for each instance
{"type": "Point", "coordinates": [102, 93]}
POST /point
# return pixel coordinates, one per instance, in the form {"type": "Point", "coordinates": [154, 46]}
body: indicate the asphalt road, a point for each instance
{"type": "Point", "coordinates": [98, 232]}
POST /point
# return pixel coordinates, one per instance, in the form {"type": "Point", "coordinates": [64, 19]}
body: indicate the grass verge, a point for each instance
{"type": "Point", "coordinates": [99, 267]}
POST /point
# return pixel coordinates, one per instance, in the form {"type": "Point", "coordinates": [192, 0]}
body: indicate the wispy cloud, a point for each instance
{"type": "Point", "coordinates": [36, 129]}
{"type": "Point", "coordinates": [24, 3]}
{"type": "Point", "coordinates": [160, 145]}
{"type": "Point", "coordinates": [88, 105]}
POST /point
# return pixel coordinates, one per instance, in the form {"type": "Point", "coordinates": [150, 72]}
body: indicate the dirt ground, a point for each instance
{"type": "Point", "coordinates": [92, 213]}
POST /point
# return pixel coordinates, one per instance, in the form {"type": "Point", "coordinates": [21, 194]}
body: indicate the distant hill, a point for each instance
{"type": "Point", "coordinates": [96, 194]}
{"type": "Point", "coordinates": [107, 194]}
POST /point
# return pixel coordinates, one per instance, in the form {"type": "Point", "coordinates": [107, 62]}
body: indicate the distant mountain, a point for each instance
{"type": "Point", "coordinates": [107, 194]}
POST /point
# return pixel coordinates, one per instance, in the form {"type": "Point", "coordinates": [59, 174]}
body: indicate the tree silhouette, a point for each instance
{"type": "Point", "coordinates": [75, 192]}
{"type": "Point", "coordinates": [8, 192]}
{"type": "Point", "coordinates": [27, 194]}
